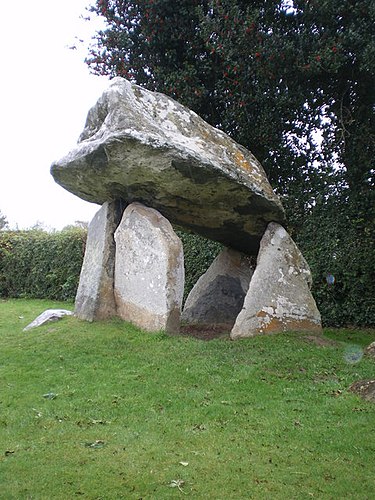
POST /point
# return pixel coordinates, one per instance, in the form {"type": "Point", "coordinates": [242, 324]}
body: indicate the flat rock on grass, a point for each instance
{"type": "Point", "coordinates": [370, 350]}
{"type": "Point", "coordinates": [48, 316]}
{"type": "Point", "coordinates": [365, 389]}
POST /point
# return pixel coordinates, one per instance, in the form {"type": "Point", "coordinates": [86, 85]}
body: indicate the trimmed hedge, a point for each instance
{"type": "Point", "coordinates": [37, 264]}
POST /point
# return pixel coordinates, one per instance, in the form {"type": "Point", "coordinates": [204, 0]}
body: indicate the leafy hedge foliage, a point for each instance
{"type": "Point", "coordinates": [339, 239]}
{"type": "Point", "coordinates": [37, 264]}
{"type": "Point", "coordinates": [198, 256]}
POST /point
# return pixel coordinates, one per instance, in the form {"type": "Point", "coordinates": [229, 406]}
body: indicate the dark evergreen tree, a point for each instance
{"type": "Point", "coordinates": [3, 221]}
{"type": "Point", "coordinates": [292, 80]}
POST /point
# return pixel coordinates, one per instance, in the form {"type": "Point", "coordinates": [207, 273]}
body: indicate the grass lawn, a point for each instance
{"type": "Point", "coordinates": [106, 411]}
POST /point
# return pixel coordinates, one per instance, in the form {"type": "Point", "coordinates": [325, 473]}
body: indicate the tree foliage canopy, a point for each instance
{"type": "Point", "coordinates": [269, 73]}
{"type": "Point", "coordinates": [3, 221]}
{"type": "Point", "coordinates": [291, 80]}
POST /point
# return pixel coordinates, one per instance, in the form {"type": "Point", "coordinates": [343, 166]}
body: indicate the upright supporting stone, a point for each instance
{"type": "Point", "coordinates": [95, 298]}
{"type": "Point", "coordinates": [218, 296]}
{"type": "Point", "coordinates": [149, 270]}
{"type": "Point", "coordinates": [279, 297]}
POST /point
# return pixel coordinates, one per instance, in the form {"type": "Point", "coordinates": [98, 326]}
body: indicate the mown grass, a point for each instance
{"type": "Point", "coordinates": [150, 416]}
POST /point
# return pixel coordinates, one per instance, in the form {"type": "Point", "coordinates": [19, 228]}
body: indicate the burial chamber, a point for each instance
{"type": "Point", "coordinates": [143, 146]}
{"type": "Point", "coordinates": [149, 161]}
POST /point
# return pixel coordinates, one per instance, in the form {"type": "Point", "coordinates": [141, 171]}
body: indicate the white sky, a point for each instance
{"type": "Point", "coordinates": [46, 91]}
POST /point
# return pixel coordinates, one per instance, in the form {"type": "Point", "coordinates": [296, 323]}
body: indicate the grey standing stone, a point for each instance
{"type": "Point", "coordinates": [143, 146]}
{"type": "Point", "coordinates": [149, 270]}
{"type": "Point", "coordinates": [95, 295]}
{"type": "Point", "coordinates": [218, 296]}
{"type": "Point", "coordinates": [279, 297]}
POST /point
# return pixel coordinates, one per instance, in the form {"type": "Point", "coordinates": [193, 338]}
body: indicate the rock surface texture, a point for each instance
{"type": "Point", "coordinates": [218, 295]}
{"type": "Point", "coordinates": [95, 297]}
{"type": "Point", "coordinates": [149, 270]}
{"type": "Point", "coordinates": [46, 317]}
{"type": "Point", "coordinates": [365, 389]}
{"type": "Point", "coordinates": [370, 350]}
{"type": "Point", "coordinates": [143, 146]}
{"type": "Point", "coordinates": [142, 149]}
{"type": "Point", "coordinates": [279, 297]}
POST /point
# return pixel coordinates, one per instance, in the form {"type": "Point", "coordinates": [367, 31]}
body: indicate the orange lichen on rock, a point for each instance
{"type": "Point", "coordinates": [242, 162]}
{"type": "Point", "coordinates": [277, 325]}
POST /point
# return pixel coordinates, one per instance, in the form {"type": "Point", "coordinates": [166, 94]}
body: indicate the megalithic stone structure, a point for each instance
{"type": "Point", "coordinates": [143, 146]}
{"type": "Point", "coordinates": [140, 146]}
{"type": "Point", "coordinates": [95, 297]}
{"type": "Point", "coordinates": [218, 296]}
{"type": "Point", "coordinates": [149, 270]}
{"type": "Point", "coordinates": [279, 297]}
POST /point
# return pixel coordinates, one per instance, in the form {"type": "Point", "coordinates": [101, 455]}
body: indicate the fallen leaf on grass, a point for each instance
{"type": "Point", "coordinates": [102, 422]}
{"type": "Point", "coordinates": [9, 452]}
{"type": "Point", "coordinates": [177, 483]}
{"type": "Point", "coordinates": [50, 395]}
{"type": "Point", "coordinates": [99, 443]}
{"type": "Point", "coordinates": [185, 464]}
{"type": "Point", "coordinates": [199, 427]}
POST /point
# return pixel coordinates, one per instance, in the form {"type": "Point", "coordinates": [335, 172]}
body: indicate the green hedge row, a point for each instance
{"type": "Point", "coordinates": [338, 239]}
{"type": "Point", "coordinates": [37, 264]}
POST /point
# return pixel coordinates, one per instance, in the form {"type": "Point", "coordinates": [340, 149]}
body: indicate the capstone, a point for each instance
{"type": "Point", "coordinates": [143, 146]}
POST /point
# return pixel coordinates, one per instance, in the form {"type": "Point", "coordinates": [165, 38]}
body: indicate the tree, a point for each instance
{"type": "Point", "coordinates": [3, 221]}
{"type": "Point", "coordinates": [269, 73]}
{"type": "Point", "coordinates": [292, 80]}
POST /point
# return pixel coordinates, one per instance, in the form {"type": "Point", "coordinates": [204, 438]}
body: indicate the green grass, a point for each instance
{"type": "Point", "coordinates": [268, 417]}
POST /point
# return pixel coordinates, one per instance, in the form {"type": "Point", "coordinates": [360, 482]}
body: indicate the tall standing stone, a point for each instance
{"type": "Point", "coordinates": [95, 298]}
{"type": "Point", "coordinates": [149, 270]}
{"type": "Point", "coordinates": [218, 296]}
{"type": "Point", "coordinates": [279, 297]}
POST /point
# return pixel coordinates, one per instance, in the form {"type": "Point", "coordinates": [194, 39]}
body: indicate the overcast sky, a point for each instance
{"type": "Point", "coordinates": [46, 91]}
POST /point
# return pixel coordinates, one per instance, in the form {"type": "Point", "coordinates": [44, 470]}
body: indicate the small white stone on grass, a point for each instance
{"type": "Point", "coordinates": [47, 316]}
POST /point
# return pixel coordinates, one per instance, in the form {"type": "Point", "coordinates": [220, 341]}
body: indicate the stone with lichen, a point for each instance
{"type": "Point", "coordinates": [279, 297]}
{"type": "Point", "coordinates": [149, 270]}
{"type": "Point", "coordinates": [143, 146]}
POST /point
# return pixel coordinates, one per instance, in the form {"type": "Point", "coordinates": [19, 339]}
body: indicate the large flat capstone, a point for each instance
{"type": "Point", "coordinates": [143, 146]}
